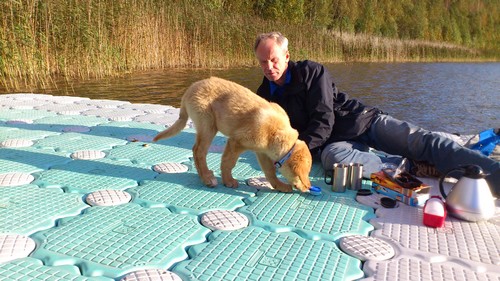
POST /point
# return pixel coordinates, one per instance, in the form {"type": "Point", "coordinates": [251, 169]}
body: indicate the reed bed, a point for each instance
{"type": "Point", "coordinates": [81, 39]}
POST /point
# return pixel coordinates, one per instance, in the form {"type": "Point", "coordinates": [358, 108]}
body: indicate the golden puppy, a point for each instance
{"type": "Point", "coordinates": [250, 123]}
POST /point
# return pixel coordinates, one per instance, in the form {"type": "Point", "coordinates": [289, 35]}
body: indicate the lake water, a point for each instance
{"type": "Point", "coordinates": [454, 97]}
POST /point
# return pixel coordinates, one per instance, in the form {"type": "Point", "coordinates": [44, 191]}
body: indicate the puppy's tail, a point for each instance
{"type": "Point", "coordinates": [176, 128]}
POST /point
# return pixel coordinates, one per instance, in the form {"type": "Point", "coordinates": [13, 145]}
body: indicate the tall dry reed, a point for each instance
{"type": "Point", "coordinates": [96, 38]}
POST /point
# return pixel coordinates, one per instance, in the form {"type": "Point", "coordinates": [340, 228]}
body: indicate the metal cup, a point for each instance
{"type": "Point", "coordinates": [355, 179]}
{"type": "Point", "coordinates": [337, 177]}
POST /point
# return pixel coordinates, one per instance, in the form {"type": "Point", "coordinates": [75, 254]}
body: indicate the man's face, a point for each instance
{"type": "Point", "coordinates": [273, 60]}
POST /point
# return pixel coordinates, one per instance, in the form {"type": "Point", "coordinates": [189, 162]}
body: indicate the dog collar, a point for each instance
{"type": "Point", "coordinates": [280, 162]}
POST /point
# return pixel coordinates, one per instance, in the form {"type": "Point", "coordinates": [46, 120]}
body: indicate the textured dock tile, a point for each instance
{"type": "Point", "coordinates": [125, 130]}
{"type": "Point", "coordinates": [114, 241]}
{"type": "Point", "coordinates": [166, 119]}
{"type": "Point", "coordinates": [150, 153]}
{"type": "Point", "coordinates": [68, 99]}
{"type": "Point", "coordinates": [473, 242]}
{"type": "Point", "coordinates": [186, 138]}
{"type": "Point", "coordinates": [26, 96]}
{"type": "Point", "coordinates": [170, 168]}
{"type": "Point", "coordinates": [26, 134]}
{"type": "Point", "coordinates": [18, 104]}
{"type": "Point", "coordinates": [43, 97]}
{"type": "Point", "coordinates": [72, 142]}
{"type": "Point", "coordinates": [366, 248]}
{"type": "Point", "coordinates": [108, 198]}
{"type": "Point", "coordinates": [372, 200]}
{"type": "Point", "coordinates": [73, 109]}
{"type": "Point", "coordinates": [15, 246]}
{"type": "Point", "coordinates": [30, 114]}
{"type": "Point", "coordinates": [88, 154]}
{"type": "Point", "coordinates": [224, 220]}
{"type": "Point", "coordinates": [185, 193]}
{"type": "Point", "coordinates": [93, 175]}
{"type": "Point", "coordinates": [76, 129]}
{"type": "Point", "coordinates": [246, 167]}
{"type": "Point", "coordinates": [25, 131]}
{"type": "Point", "coordinates": [328, 216]}
{"type": "Point", "coordinates": [13, 143]}
{"type": "Point", "coordinates": [15, 179]}
{"type": "Point", "coordinates": [29, 159]}
{"type": "Point", "coordinates": [114, 114]}
{"type": "Point", "coordinates": [259, 183]}
{"type": "Point", "coordinates": [103, 103]}
{"type": "Point", "coordinates": [151, 275]}
{"type": "Point", "coordinates": [18, 122]}
{"type": "Point", "coordinates": [61, 121]}
{"type": "Point", "coordinates": [29, 269]}
{"type": "Point", "coordinates": [28, 208]}
{"type": "Point", "coordinates": [411, 268]}
{"type": "Point", "coordinates": [153, 108]}
{"type": "Point", "coordinates": [255, 254]}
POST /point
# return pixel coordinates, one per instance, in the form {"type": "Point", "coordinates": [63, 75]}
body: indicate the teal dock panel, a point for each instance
{"type": "Point", "coordinates": [28, 208]}
{"type": "Point", "coordinates": [61, 121]}
{"type": "Point", "coordinates": [29, 269]}
{"type": "Point", "coordinates": [71, 142]}
{"type": "Point", "coordinates": [123, 130]}
{"type": "Point", "coordinates": [85, 176]}
{"type": "Point", "coordinates": [328, 216]}
{"type": "Point", "coordinates": [255, 254]}
{"type": "Point", "coordinates": [150, 153]}
{"type": "Point", "coordinates": [185, 193]}
{"type": "Point", "coordinates": [29, 159]}
{"type": "Point", "coordinates": [113, 241]}
{"type": "Point", "coordinates": [25, 131]}
{"type": "Point", "coordinates": [25, 114]}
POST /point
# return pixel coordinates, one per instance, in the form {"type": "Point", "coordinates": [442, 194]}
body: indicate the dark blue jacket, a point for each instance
{"type": "Point", "coordinates": [317, 110]}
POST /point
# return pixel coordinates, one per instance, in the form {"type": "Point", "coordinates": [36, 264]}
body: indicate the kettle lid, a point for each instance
{"type": "Point", "coordinates": [474, 172]}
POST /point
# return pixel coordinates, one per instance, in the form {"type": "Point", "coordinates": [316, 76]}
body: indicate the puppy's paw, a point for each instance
{"type": "Point", "coordinates": [283, 187]}
{"type": "Point", "coordinates": [209, 179]}
{"type": "Point", "coordinates": [302, 188]}
{"type": "Point", "coordinates": [210, 182]}
{"type": "Point", "coordinates": [230, 182]}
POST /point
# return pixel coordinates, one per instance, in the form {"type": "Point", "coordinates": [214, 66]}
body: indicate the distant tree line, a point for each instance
{"type": "Point", "coordinates": [473, 23]}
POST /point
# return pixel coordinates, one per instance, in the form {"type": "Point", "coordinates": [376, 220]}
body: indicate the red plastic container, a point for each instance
{"type": "Point", "coordinates": [434, 212]}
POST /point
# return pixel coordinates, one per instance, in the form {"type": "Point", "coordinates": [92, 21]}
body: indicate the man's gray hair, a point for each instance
{"type": "Point", "coordinates": [281, 40]}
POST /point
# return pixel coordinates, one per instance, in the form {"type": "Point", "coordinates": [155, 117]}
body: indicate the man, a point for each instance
{"type": "Point", "coordinates": [341, 130]}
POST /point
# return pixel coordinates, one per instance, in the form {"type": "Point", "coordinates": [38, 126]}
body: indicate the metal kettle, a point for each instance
{"type": "Point", "coordinates": [470, 198]}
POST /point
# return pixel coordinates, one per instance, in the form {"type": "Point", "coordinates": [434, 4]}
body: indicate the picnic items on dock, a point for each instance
{"type": "Point", "coordinates": [434, 212]}
{"type": "Point", "coordinates": [470, 198]}
{"type": "Point", "coordinates": [403, 187]}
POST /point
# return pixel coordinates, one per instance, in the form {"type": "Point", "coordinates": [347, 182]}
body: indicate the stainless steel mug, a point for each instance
{"type": "Point", "coordinates": [355, 179]}
{"type": "Point", "coordinates": [337, 177]}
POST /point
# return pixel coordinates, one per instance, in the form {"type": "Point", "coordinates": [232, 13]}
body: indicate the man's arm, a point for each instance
{"type": "Point", "coordinates": [319, 107]}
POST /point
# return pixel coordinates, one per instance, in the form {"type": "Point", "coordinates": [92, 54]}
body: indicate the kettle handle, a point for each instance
{"type": "Point", "coordinates": [441, 187]}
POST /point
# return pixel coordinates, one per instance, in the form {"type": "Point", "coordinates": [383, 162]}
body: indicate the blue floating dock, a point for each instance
{"type": "Point", "coordinates": [159, 231]}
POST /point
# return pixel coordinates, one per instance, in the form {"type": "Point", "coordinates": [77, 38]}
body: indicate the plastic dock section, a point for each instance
{"type": "Point", "coordinates": [86, 195]}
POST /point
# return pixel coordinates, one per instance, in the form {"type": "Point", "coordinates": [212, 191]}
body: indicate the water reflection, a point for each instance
{"type": "Point", "coordinates": [457, 97]}
{"type": "Point", "coordinates": [157, 87]}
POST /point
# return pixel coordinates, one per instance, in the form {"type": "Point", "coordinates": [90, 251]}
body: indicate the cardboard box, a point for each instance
{"type": "Point", "coordinates": [409, 188]}
{"type": "Point", "coordinates": [417, 200]}
{"type": "Point", "coordinates": [411, 191]}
